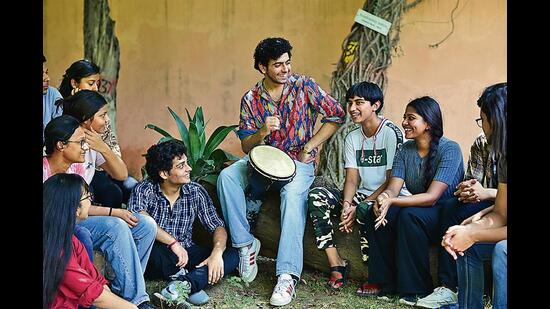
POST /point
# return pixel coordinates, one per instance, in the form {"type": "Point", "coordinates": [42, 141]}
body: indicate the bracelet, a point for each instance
{"type": "Point", "coordinates": [110, 210]}
{"type": "Point", "coordinates": [173, 243]}
{"type": "Point", "coordinates": [350, 203]}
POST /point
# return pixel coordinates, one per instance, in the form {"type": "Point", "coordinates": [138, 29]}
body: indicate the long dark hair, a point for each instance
{"type": "Point", "coordinates": [77, 71]}
{"type": "Point", "coordinates": [61, 195]}
{"type": "Point", "coordinates": [59, 129]}
{"type": "Point", "coordinates": [493, 103]}
{"type": "Point", "coordinates": [83, 105]}
{"type": "Point", "coordinates": [428, 108]}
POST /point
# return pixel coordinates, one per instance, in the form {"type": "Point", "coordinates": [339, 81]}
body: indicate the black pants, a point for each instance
{"type": "Point", "coordinates": [108, 191]}
{"type": "Point", "coordinates": [399, 251]}
{"type": "Point", "coordinates": [454, 212]}
{"type": "Point", "coordinates": [162, 264]}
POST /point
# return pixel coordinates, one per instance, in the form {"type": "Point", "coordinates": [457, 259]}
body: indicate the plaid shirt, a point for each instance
{"type": "Point", "coordinates": [301, 102]}
{"type": "Point", "coordinates": [480, 164]}
{"type": "Point", "coordinates": [178, 219]}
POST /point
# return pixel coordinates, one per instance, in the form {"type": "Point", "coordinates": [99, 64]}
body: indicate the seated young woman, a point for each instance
{"type": "Point", "coordinates": [68, 276]}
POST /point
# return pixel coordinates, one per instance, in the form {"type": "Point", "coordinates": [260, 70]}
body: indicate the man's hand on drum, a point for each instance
{"type": "Point", "coordinates": [305, 157]}
{"type": "Point", "coordinates": [271, 124]}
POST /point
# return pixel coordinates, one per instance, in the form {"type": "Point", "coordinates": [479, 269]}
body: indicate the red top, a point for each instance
{"type": "Point", "coordinates": [82, 283]}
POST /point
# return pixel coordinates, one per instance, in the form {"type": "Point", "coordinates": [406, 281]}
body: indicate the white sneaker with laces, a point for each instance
{"type": "Point", "coordinates": [284, 291]}
{"type": "Point", "coordinates": [440, 296]}
{"type": "Point", "coordinates": [248, 268]}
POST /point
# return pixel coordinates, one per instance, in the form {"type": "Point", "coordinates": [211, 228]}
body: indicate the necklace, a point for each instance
{"type": "Point", "coordinates": [373, 139]}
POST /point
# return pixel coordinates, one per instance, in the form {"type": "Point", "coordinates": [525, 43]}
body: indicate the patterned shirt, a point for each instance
{"type": "Point", "coordinates": [110, 139]}
{"type": "Point", "coordinates": [178, 219]}
{"type": "Point", "coordinates": [480, 164]}
{"type": "Point", "coordinates": [301, 102]}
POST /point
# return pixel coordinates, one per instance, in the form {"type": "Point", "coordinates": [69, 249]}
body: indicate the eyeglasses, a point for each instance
{"type": "Point", "coordinates": [479, 122]}
{"type": "Point", "coordinates": [90, 196]}
{"type": "Point", "coordinates": [82, 142]}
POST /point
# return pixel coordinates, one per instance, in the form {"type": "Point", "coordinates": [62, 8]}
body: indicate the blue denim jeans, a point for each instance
{"type": "Point", "coordinates": [126, 249]}
{"type": "Point", "coordinates": [85, 238]}
{"type": "Point", "coordinates": [231, 186]}
{"type": "Point", "coordinates": [470, 275]}
{"type": "Point", "coordinates": [162, 264]}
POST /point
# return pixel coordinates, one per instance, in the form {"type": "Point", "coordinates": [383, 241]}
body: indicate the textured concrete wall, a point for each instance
{"type": "Point", "coordinates": [196, 52]}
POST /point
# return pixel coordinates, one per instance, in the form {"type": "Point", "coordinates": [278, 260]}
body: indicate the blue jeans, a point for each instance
{"type": "Point", "coordinates": [126, 249]}
{"type": "Point", "coordinates": [85, 238]}
{"type": "Point", "coordinates": [162, 264]}
{"type": "Point", "coordinates": [470, 275]}
{"type": "Point", "coordinates": [231, 185]}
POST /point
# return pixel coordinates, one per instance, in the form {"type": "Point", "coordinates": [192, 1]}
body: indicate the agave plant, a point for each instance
{"type": "Point", "coordinates": [203, 156]}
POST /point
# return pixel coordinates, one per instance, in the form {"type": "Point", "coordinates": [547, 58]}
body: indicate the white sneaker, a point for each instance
{"type": "Point", "coordinates": [248, 268]}
{"type": "Point", "coordinates": [440, 296]}
{"type": "Point", "coordinates": [284, 291]}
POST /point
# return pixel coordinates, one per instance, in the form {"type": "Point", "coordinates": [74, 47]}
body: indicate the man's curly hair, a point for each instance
{"type": "Point", "coordinates": [159, 157]}
{"type": "Point", "coordinates": [270, 49]}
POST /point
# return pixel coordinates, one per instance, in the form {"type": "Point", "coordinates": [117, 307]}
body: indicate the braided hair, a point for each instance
{"type": "Point", "coordinates": [429, 110]}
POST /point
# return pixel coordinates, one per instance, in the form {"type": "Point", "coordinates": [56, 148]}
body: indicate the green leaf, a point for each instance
{"type": "Point", "coordinates": [159, 130]}
{"type": "Point", "coordinates": [164, 139]}
{"type": "Point", "coordinates": [217, 138]}
{"type": "Point", "coordinates": [189, 116]}
{"type": "Point", "coordinates": [194, 150]}
{"type": "Point", "coordinates": [184, 133]}
{"type": "Point", "coordinates": [199, 116]}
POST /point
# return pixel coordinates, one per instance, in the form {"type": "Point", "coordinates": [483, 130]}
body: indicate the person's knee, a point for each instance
{"type": "Point", "coordinates": [364, 212]}
{"type": "Point", "coordinates": [407, 217]}
{"type": "Point", "coordinates": [315, 199]}
{"type": "Point", "coordinates": [500, 256]}
{"type": "Point", "coordinates": [147, 223]}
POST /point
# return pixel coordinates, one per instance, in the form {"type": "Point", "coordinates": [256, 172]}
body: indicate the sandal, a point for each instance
{"type": "Point", "coordinates": [336, 283]}
{"type": "Point", "coordinates": [368, 289]}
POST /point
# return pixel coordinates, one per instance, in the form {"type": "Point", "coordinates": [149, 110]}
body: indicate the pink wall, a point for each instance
{"type": "Point", "coordinates": [189, 53]}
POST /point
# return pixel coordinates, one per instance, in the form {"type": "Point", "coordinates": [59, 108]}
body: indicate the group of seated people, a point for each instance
{"type": "Point", "coordinates": [405, 191]}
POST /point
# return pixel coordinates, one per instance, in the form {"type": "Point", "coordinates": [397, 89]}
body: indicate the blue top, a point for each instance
{"type": "Point", "coordinates": [49, 110]}
{"type": "Point", "coordinates": [449, 166]}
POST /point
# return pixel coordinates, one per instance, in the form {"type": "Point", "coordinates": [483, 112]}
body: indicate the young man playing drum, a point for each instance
{"type": "Point", "coordinates": [173, 201]}
{"type": "Point", "coordinates": [368, 155]}
{"type": "Point", "coordinates": [281, 111]}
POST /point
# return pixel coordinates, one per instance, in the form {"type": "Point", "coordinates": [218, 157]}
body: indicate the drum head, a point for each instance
{"type": "Point", "coordinates": [272, 161]}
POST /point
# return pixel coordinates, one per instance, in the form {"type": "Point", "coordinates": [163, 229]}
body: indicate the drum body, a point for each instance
{"type": "Point", "coordinates": [269, 169]}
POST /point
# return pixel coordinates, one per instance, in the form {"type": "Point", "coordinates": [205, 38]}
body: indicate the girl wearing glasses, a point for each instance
{"type": "Point", "coordinates": [69, 277]}
{"type": "Point", "coordinates": [126, 239]}
{"type": "Point", "coordinates": [483, 237]}
{"type": "Point", "coordinates": [475, 195]}
{"type": "Point", "coordinates": [109, 191]}
{"type": "Point", "coordinates": [65, 147]}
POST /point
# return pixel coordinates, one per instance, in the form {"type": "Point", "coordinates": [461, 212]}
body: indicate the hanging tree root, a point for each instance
{"type": "Point", "coordinates": [366, 55]}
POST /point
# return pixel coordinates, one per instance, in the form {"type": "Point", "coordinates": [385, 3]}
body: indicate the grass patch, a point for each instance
{"type": "Point", "coordinates": [232, 292]}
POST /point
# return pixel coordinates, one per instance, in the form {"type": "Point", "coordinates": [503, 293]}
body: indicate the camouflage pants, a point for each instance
{"type": "Point", "coordinates": [325, 204]}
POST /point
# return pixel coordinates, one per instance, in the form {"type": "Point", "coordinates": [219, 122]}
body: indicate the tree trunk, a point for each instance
{"type": "Point", "coordinates": [101, 47]}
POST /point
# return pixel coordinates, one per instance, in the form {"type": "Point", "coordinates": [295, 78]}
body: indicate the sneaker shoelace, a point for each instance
{"type": "Point", "coordinates": [439, 291]}
{"type": "Point", "coordinates": [285, 286]}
